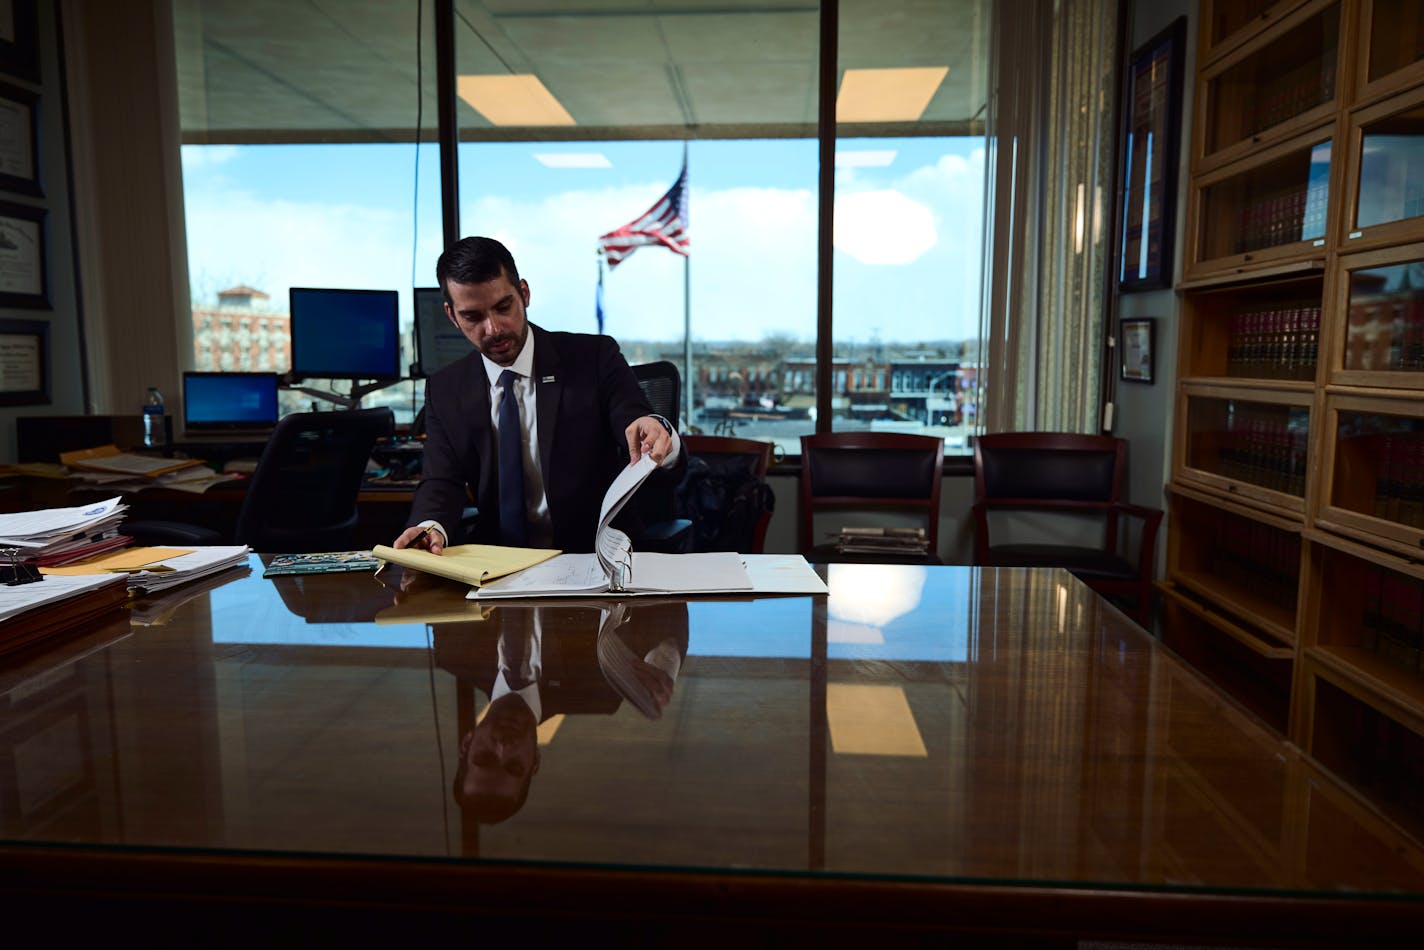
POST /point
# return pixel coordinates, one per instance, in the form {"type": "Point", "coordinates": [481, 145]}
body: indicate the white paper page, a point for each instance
{"type": "Point", "coordinates": [623, 487]}
{"type": "Point", "coordinates": [688, 573]}
{"type": "Point", "coordinates": [565, 574]}
{"type": "Point", "coordinates": [21, 597]}
{"type": "Point", "coordinates": [130, 464]}
{"type": "Point", "coordinates": [783, 574]}
{"type": "Point", "coordinates": [609, 543]}
{"type": "Point", "coordinates": [52, 521]}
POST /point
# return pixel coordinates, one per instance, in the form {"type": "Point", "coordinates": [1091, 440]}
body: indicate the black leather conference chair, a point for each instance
{"type": "Point", "coordinates": [863, 472]}
{"type": "Point", "coordinates": [1065, 474]}
{"type": "Point", "coordinates": [302, 497]}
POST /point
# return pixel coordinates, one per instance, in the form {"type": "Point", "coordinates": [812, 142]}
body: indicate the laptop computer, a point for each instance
{"type": "Point", "coordinates": [229, 406]}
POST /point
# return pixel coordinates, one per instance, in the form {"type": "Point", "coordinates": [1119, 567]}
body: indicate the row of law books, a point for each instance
{"type": "Point", "coordinates": [1399, 483]}
{"type": "Point", "coordinates": [1262, 447]}
{"type": "Point", "coordinates": [1393, 623]}
{"type": "Point", "coordinates": [1290, 93]}
{"type": "Point", "coordinates": [1281, 217]}
{"type": "Point", "coordinates": [1274, 343]}
{"type": "Point", "coordinates": [1386, 335]}
{"type": "Point", "coordinates": [1269, 556]}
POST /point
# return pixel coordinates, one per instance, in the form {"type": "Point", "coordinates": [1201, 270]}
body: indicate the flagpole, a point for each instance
{"type": "Point", "coordinates": [686, 421]}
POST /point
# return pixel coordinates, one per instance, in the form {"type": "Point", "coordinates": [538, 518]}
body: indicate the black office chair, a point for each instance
{"type": "Point", "coordinates": [654, 502]}
{"type": "Point", "coordinates": [662, 385]}
{"type": "Point", "coordinates": [302, 497]}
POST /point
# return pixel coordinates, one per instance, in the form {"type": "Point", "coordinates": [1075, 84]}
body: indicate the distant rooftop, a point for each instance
{"type": "Point", "coordinates": [240, 295]}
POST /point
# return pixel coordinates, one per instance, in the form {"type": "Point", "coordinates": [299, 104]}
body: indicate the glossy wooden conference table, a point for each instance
{"type": "Point", "coordinates": [985, 752]}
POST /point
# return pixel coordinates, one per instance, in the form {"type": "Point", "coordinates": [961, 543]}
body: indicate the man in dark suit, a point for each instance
{"type": "Point", "coordinates": [579, 409]}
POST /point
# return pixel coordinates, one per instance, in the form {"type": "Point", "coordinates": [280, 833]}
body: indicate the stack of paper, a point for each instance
{"type": "Point", "coordinates": [127, 471]}
{"type": "Point", "coordinates": [40, 609]}
{"type": "Point", "coordinates": [53, 534]}
{"type": "Point", "coordinates": [896, 541]}
{"type": "Point", "coordinates": [150, 570]}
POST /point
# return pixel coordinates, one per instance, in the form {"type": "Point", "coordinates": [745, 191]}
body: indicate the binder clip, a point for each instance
{"type": "Point", "coordinates": [14, 572]}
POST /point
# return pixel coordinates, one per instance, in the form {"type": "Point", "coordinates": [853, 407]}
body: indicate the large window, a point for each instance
{"type": "Point", "coordinates": [574, 119]}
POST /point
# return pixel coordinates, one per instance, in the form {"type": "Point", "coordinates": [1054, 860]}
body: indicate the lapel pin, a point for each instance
{"type": "Point", "coordinates": [547, 379]}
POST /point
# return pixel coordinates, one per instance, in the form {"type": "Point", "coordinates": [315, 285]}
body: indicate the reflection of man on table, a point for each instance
{"type": "Point", "coordinates": [532, 425]}
{"type": "Point", "coordinates": [541, 661]}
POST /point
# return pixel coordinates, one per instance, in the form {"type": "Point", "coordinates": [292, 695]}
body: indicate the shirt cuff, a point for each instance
{"type": "Point", "coordinates": [436, 526]}
{"type": "Point", "coordinates": [670, 459]}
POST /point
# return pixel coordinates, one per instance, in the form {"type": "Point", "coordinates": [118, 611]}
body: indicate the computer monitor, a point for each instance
{"type": "Point", "coordinates": [229, 403]}
{"type": "Point", "coordinates": [437, 341]}
{"type": "Point", "coordinates": [345, 334]}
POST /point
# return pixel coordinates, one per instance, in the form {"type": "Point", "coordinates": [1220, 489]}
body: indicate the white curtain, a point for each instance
{"type": "Point", "coordinates": [1051, 133]}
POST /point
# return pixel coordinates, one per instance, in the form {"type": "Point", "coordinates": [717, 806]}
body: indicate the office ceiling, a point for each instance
{"type": "Point", "coordinates": [346, 70]}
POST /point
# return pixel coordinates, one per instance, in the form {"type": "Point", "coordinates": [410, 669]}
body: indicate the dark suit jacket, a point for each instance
{"type": "Point", "coordinates": [586, 396]}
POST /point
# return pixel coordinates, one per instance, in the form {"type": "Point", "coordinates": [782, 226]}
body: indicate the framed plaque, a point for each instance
{"type": "Point", "coordinates": [24, 362]}
{"type": "Point", "coordinates": [1153, 111]}
{"type": "Point", "coordinates": [23, 279]}
{"type": "Point", "coordinates": [19, 140]}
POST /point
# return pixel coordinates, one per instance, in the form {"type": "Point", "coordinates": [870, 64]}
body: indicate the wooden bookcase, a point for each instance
{"type": "Point", "coordinates": [1295, 568]}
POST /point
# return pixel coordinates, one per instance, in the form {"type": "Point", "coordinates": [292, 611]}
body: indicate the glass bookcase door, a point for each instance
{"type": "Point", "coordinates": [1249, 447]}
{"type": "Point", "coordinates": [1388, 165]}
{"type": "Point", "coordinates": [1287, 77]}
{"type": "Point", "coordinates": [1229, 18]}
{"type": "Point", "coordinates": [1396, 38]}
{"type": "Point", "coordinates": [1383, 303]}
{"type": "Point", "coordinates": [1375, 488]}
{"type": "Point", "coordinates": [1259, 212]}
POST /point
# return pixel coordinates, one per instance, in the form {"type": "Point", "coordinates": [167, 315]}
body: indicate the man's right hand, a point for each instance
{"type": "Point", "coordinates": [429, 539]}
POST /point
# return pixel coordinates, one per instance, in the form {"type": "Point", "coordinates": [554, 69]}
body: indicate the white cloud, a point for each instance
{"type": "Point", "coordinates": [883, 227]}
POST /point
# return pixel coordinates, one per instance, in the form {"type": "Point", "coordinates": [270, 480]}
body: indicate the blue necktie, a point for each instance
{"type": "Point", "coordinates": [513, 529]}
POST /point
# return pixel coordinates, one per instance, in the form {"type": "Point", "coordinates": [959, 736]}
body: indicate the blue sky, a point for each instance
{"type": "Point", "coordinates": [908, 233]}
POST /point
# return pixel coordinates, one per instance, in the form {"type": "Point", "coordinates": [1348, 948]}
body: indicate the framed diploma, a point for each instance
{"type": "Point", "coordinates": [20, 39]}
{"type": "Point", "coordinates": [1138, 361]}
{"type": "Point", "coordinates": [24, 362]}
{"type": "Point", "coordinates": [19, 140]}
{"type": "Point", "coordinates": [1153, 115]}
{"type": "Point", "coordinates": [23, 280]}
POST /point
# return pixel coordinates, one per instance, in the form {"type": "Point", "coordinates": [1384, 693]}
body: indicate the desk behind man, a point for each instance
{"type": "Point", "coordinates": [533, 425]}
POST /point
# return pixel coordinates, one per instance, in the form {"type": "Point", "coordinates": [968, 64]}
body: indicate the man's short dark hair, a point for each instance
{"type": "Point", "coordinates": [474, 260]}
{"type": "Point", "coordinates": [487, 809]}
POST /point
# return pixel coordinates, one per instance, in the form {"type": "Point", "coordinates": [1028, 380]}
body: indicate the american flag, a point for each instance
{"type": "Point", "coordinates": [665, 223]}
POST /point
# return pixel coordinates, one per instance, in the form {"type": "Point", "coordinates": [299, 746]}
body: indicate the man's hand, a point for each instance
{"type": "Point", "coordinates": [429, 539]}
{"type": "Point", "coordinates": [656, 682]}
{"type": "Point", "coordinates": [646, 436]}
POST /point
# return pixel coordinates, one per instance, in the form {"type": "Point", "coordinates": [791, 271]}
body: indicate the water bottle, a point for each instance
{"type": "Point", "coordinates": [153, 436]}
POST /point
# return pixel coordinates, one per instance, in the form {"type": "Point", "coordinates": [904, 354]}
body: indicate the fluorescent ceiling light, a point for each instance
{"type": "Point", "coordinates": [867, 158]}
{"type": "Point", "coordinates": [573, 160]}
{"type": "Point", "coordinates": [887, 95]}
{"type": "Point", "coordinates": [512, 100]}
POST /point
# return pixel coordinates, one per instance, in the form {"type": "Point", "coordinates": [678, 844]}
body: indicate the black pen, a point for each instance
{"type": "Point", "coordinates": [420, 537]}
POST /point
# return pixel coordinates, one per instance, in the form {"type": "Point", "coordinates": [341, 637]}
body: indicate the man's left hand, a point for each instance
{"type": "Point", "coordinates": [646, 436]}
